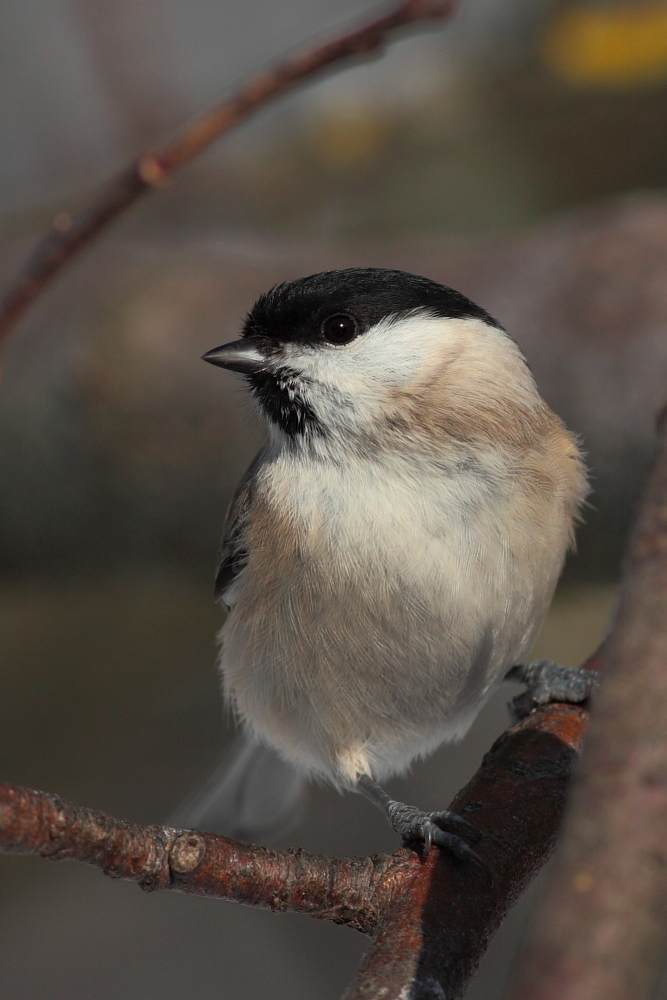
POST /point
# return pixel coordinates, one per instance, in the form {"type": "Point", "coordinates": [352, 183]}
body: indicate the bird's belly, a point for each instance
{"type": "Point", "coordinates": [377, 652]}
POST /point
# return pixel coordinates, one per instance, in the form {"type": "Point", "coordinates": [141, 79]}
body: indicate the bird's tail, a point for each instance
{"type": "Point", "coordinates": [251, 793]}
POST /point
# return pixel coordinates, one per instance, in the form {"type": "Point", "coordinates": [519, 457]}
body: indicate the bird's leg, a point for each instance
{"type": "Point", "coordinates": [413, 825]}
{"type": "Point", "coordinates": [547, 681]}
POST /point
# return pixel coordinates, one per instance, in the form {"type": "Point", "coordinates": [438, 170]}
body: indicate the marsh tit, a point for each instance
{"type": "Point", "coordinates": [393, 548]}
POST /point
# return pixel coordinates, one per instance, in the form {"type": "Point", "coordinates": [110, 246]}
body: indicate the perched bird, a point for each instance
{"type": "Point", "coordinates": [393, 548]}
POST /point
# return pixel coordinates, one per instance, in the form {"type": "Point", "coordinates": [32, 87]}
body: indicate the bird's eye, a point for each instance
{"type": "Point", "coordinates": [340, 329]}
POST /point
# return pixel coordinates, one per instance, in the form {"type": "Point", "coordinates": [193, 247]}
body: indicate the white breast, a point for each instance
{"type": "Point", "coordinates": [382, 602]}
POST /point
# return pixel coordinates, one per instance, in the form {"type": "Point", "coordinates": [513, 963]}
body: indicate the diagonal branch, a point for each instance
{"type": "Point", "coordinates": [431, 921]}
{"type": "Point", "coordinates": [429, 942]}
{"type": "Point", "coordinates": [70, 233]}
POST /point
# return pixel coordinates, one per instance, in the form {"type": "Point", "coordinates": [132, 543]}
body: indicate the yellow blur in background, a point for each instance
{"type": "Point", "coordinates": [611, 46]}
{"type": "Point", "coordinates": [347, 137]}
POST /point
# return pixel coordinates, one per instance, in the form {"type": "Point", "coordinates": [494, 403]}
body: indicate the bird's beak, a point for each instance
{"type": "Point", "coordinates": [240, 356]}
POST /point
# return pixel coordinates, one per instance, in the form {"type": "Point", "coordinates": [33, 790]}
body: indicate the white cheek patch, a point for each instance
{"type": "Point", "coordinates": [351, 387]}
{"type": "Point", "coordinates": [390, 355]}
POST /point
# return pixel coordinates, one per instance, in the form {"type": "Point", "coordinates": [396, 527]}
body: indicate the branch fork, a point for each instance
{"type": "Point", "coordinates": [430, 920]}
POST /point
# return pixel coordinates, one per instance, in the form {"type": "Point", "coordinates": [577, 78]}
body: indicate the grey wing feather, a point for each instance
{"type": "Point", "coordinates": [251, 793]}
{"type": "Point", "coordinates": [233, 554]}
{"type": "Point", "coordinates": [254, 792]}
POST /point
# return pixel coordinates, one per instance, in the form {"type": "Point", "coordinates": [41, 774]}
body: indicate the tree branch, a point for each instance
{"type": "Point", "coordinates": [70, 233]}
{"type": "Point", "coordinates": [602, 924]}
{"type": "Point", "coordinates": [430, 940]}
{"type": "Point", "coordinates": [431, 921]}
{"type": "Point", "coordinates": [203, 864]}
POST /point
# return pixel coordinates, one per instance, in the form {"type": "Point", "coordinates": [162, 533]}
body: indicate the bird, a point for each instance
{"type": "Point", "coordinates": [391, 552]}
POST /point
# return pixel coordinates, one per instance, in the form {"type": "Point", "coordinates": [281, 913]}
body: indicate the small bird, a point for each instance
{"type": "Point", "coordinates": [392, 550]}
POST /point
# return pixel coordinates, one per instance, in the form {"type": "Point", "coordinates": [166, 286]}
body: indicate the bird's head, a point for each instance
{"type": "Point", "coordinates": [367, 354]}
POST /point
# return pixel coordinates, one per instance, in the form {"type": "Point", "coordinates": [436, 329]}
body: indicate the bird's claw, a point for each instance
{"type": "Point", "coordinates": [415, 826]}
{"type": "Point", "coordinates": [547, 681]}
{"type": "Point", "coordinates": [435, 835]}
{"type": "Point", "coordinates": [447, 817]}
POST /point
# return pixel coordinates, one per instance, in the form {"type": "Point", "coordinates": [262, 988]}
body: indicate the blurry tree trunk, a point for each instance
{"type": "Point", "coordinates": [602, 925]}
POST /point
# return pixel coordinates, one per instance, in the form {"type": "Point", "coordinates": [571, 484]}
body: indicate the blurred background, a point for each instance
{"type": "Point", "coordinates": [518, 154]}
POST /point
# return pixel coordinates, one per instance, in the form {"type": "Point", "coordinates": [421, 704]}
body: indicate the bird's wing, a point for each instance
{"type": "Point", "coordinates": [234, 552]}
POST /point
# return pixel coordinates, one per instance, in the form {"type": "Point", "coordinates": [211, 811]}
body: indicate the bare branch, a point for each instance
{"type": "Point", "coordinates": [203, 864]}
{"type": "Point", "coordinates": [602, 924]}
{"type": "Point", "coordinates": [431, 921]}
{"type": "Point", "coordinates": [70, 233]}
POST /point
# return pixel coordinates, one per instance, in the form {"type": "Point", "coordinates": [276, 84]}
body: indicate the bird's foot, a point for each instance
{"type": "Point", "coordinates": [415, 826]}
{"type": "Point", "coordinates": [547, 681]}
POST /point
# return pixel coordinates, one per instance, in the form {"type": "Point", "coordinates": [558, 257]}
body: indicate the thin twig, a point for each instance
{"type": "Point", "coordinates": [602, 925]}
{"type": "Point", "coordinates": [70, 233]}
{"type": "Point", "coordinates": [431, 920]}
